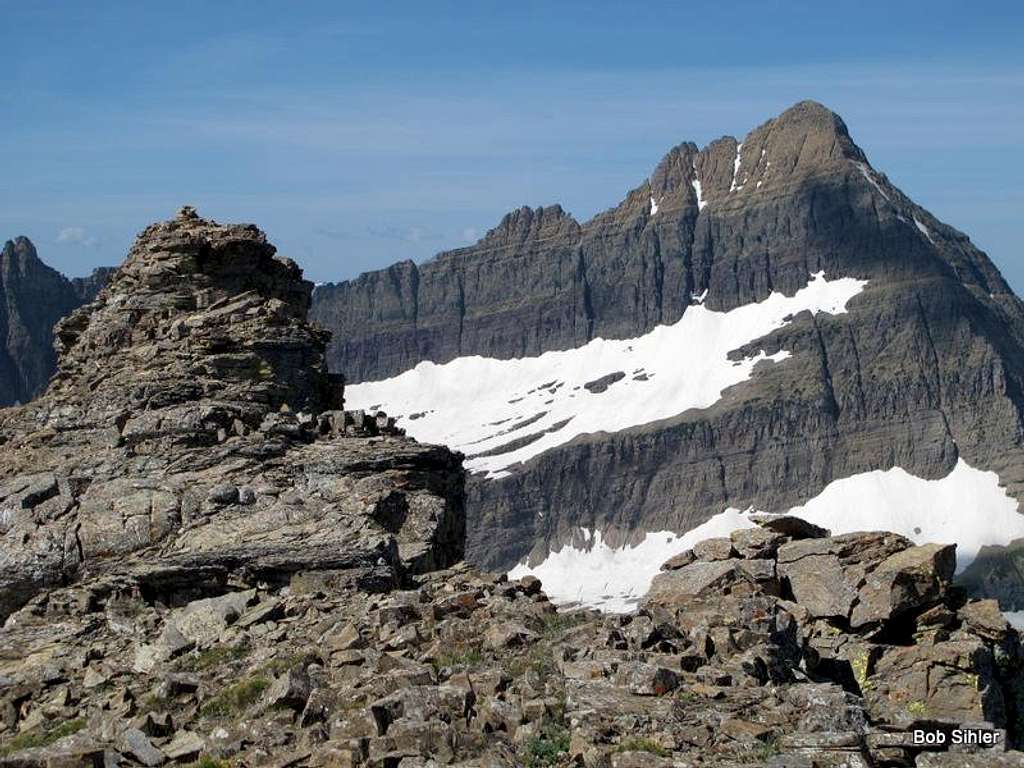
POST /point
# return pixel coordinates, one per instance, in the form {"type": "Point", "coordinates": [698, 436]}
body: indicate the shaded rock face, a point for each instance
{"type": "Point", "coordinates": [192, 437]}
{"type": "Point", "coordinates": [924, 368]}
{"type": "Point", "coordinates": [35, 298]}
{"type": "Point", "coordinates": [732, 661]}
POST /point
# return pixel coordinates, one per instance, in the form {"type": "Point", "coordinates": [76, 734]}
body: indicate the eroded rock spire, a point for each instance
{"type": "Point", "coordinates": [193, 423]}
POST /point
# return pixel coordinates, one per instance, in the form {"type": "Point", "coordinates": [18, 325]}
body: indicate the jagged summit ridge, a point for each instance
{"type": "Point", "coordinates": [637, 265]}
{"type": "Point", "coordinates": [806, 139]}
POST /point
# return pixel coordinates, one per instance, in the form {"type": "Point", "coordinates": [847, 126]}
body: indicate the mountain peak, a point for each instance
{"type": "Point", "coordinates": [20, 247]}
{"type": "Point", "coordinates": [198, 310]}
{"type": "Point", "coordinates": [812, 115]}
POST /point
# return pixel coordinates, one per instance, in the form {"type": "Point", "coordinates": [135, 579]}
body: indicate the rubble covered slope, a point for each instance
{"type": "Point", "coordinates": [207, 561]}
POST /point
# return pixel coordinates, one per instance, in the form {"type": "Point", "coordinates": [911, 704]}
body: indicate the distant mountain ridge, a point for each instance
{"type": "Point", "coordinates": [35, 297]}
{"type": "Point", "coordinates": [921, 372]}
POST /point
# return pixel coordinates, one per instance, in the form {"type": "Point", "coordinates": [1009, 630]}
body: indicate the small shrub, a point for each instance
{"type": "Point", "coordinates": [917, 709]}
{"type": "Point", "coordinates": [236, 698]}
{"type": "Point", "coordinates": [547, 748]}
{"type": "Point", "coordinates": [768, 749]}
{"type": "Point", "coordinates": [205, 761]}
{"type": "Point", "coordinates": [556, 623]}
{"type": "Point", "coordinates": [216, 656]}
{"type": "Point", "coordinates": [469, 657]}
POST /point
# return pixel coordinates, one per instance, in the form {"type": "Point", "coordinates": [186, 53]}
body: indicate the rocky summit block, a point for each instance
{"type": "Point", "coordinates": [868, 612]}
{"type": "Point", "coordinates": [193, 437]}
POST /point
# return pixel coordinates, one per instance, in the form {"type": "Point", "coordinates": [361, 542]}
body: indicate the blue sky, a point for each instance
{"type": "Point", "coordinates": [360, 134]}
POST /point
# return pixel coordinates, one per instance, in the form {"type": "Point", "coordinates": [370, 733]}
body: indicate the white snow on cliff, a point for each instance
{"type": "Point", "coordinates": [736, 168]}
{"type": "Point", "coordinates": [701, 202]}
{"type": "Point", "coordinates": [501, 412]}
{"type": "Point", "coordinates": [923, 229]}
{"type": "Point", "coordinates": [867, 173]}
{"type": "Point", "coordinates": [615, 580]}
{"type": "Point", "coordinates": [967, 508]}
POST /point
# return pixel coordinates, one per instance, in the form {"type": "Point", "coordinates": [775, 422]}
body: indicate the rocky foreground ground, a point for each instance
{"type": "Point", "coordinates": [779, 647]}
{"type": "Point", "coordinates": [206, 561]}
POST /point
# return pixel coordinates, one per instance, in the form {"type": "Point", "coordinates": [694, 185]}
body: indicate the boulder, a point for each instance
{"type": "Point", "coordinates": [137, 745]}
{"type": "Point", "coordinates": [905, 581]}
{"type": "Point", "coordinates": [291, 690]}
{"type": "Point", "coordinates": [676, 587]}
{"type": "Point", "coordinates": [509, 635]}
{"type": "Point", "coordinates": [714, 549]}
{"type": "Point", "coordinates": [203, 621]}
{"type": "Point", "coordinates": [646, 679]}
{"type": "Point", "coordinates": [794, 528]}
{"type": "Point", "coordinates": [953, 681]}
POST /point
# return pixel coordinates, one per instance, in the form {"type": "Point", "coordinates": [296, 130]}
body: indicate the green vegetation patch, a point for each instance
{"type": "Point", "coordinates": [216, 656]}
{"type": "Point", "coordinates": [40, 737]}
{"type": "Point", "coordinates": [236, 698]}
{"type": "Point", "coordinates": [547, 748]}
{"type": "Point", "coordinates": [556, 623]}
{"type": "Point", "coordinates": [469, 657]}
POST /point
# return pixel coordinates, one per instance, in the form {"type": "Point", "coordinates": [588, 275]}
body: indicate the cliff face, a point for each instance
{"type": "Point", "coordinates": [35, 298]}
{"type": "Point", "coordinates": [192, 435]}
{"type": "Point", "coordinates": [919, 370]}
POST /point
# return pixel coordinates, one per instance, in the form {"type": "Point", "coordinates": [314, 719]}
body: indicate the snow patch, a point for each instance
{"type": "Point", "coordinates": [701, 202]}
{"type": "Point", "coordinates": [614, 580]}
{"type": "Point", "coordinates": [654, 206]}
{"type": "Point", "coordinates": [1016, 619]}
{"type": "Point", "coordinates": [966, 507]}
{"type": "Point", "coordinates": [699, 297]}
{"type": "Point", "coordinates": [736, 168]}
{"type": "Point", "coordinates": [924, 230]}
{"type": "Point", "coordinates": [686, 366]}
{"type": "Point", "coordinates": [866, 172]}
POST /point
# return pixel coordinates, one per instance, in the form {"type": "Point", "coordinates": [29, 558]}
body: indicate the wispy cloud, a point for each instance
{"type": "Point", "coordinates": [77, 236]}
{"type": "Point", "coordinates": [406, 234]}
{"type": "Point", "coordinates": [332, 234]}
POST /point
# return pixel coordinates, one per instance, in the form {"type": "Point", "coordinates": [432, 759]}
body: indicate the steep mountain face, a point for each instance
{"type": "Point", "coordinates": [35, 298]}
{"type": "Point", "coordinates": [763, 324]}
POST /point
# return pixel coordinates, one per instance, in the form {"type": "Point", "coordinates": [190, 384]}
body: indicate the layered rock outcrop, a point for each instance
{"type": "Point", "coordinates": [35, 298]}
{"type": "Point", "coordinates": [923, 369]}
{"type": "Point", "coordinates": [192, 430]}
